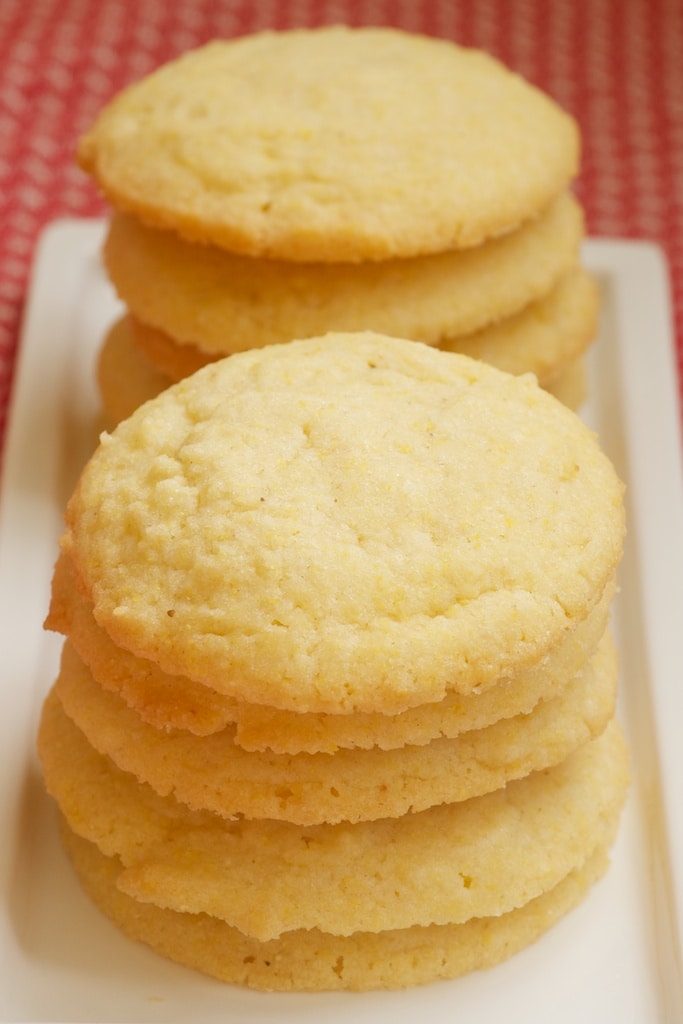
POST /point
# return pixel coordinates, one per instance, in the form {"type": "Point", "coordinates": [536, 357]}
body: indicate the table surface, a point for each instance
{"type": "Point", "coordinates": [616, 65]}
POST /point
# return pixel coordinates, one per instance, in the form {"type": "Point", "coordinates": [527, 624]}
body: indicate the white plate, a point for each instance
{"type": "Point", "coordinates": [615, 958]}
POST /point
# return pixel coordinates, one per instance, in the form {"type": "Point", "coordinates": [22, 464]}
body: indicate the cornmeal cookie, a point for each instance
{"type": "Point", "coordinates": [541, 338]}
{"type": "Point", "coordinates": [336, 703]}
{"type": "Point", "coordinates": [213, 773]}
{"type": "Point", "coordinates": [350, 523]}
{"type": "Point", "coordinates": [443, 865]}
{"type": "Point", "coordinates": [176, 702]}
{"type": "Point", "coordinates": [173, 359]}
{"type": "Point", "coordinates": [332, 144]}
{"type": "Point", "coordinates": [315, 961]}
{"type": "Point", "coordinates": [545, 338]}
{"type": "Point", "coordinates": [203, 296]}
{"type": "Point", "coordinates": [570, 385]}
{"type": "Point", "coordinates": [548, 338]}
{"type": "Point", "coordinates": [120, 357]}
{"type": "Point", "coordinates": [125, 380]}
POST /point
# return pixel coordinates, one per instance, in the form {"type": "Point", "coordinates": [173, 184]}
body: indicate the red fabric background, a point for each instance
{"type": "Point", "coordinates": [617, 65]}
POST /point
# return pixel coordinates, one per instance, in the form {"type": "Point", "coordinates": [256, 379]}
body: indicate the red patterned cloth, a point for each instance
{"type": "Point", "coordinates": [616, 65]}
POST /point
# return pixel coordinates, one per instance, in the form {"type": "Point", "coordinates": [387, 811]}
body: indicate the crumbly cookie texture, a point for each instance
{"type": "Point", "coordinates": [315, 961]}
{"type": "Point", "coordinates": [442, 865]}
{"type": "Point", "coordinates": [548, 337]}
{"type": "Point", "coordinates": [543, 338]}
{"type": "Point", "coordinates": [332, 144]}
{"type": "Point", "coordinates": [222, 303]}
{"type": "Point", "coordinates": [351, 523]}
{"type": "Point", "coordinates": [131, 353]}
{"type": "Point", "coordinates": [171, 702]}
{"type": "Point", "coordinates": [213, 773]}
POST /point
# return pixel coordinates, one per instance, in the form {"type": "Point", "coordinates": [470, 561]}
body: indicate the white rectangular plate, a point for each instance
{"type": "Point", "coordinates": [615, 958]}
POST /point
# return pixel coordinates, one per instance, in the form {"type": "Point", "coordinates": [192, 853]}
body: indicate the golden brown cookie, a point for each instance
{"type": "Point", "coordinates": [547, 337]}
{"type": "Point", "coordinates": [175, 702]}
{"type": "Point", "coordinates": [125, 380]}
{"type": "Point", "coordinates": [543, 338]}
{"type": "Point", "coordinates": [443, 865]}
{"type": "Point", "coordinates": [570, 385]}
{"type": "Point", "coordinates": [220, 303]}
{"type": "Point", "coordinates": [332, 144]}
{"type": "Point", "coordinates": [352, 523]}
{"type": "Point", "coordinates": [213, 773]}
{"type": "Point", "coordinates": [315, 961]}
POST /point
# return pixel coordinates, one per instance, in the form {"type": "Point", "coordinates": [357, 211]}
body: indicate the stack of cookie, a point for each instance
{"type": "Point", "coordinates": [336, 702]}
{"type": "Point", "coordinates": [285, 185]}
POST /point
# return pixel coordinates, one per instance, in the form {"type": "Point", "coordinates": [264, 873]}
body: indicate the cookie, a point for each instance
{"type": "Point", "coordinates": [213, 773]}
{"type": "Point", "coordinates": [221, 303]}
{"type": "Point", "coordinates": [332, 144]}
{"type": "Point", "coordinates": [124, 380]}
{"type": "Point", "coordinates": [545, 338]}
{"type": "Point", "coordinates": [166, 355]}
{"type": "Point", "coordinates": [315, 961]}
{"type": "Point", "coordinates": [548, 337]}
{"type": "Point", "coordinates": [540, 339]}
{"type": "Point", "coordinates": [125, 360]}
{"type": "Point", "coordinates": [570, 385]}
{"type": "Point", "coordinates": [443, 865]}
{"type": "Point", "coordinates": [352, 523]}
{"type": "Point", "coordinates": [175, 702]}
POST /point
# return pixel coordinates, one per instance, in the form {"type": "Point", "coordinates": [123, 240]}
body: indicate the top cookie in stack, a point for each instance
{"type": "Point", "coordinates": [288, 184]}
